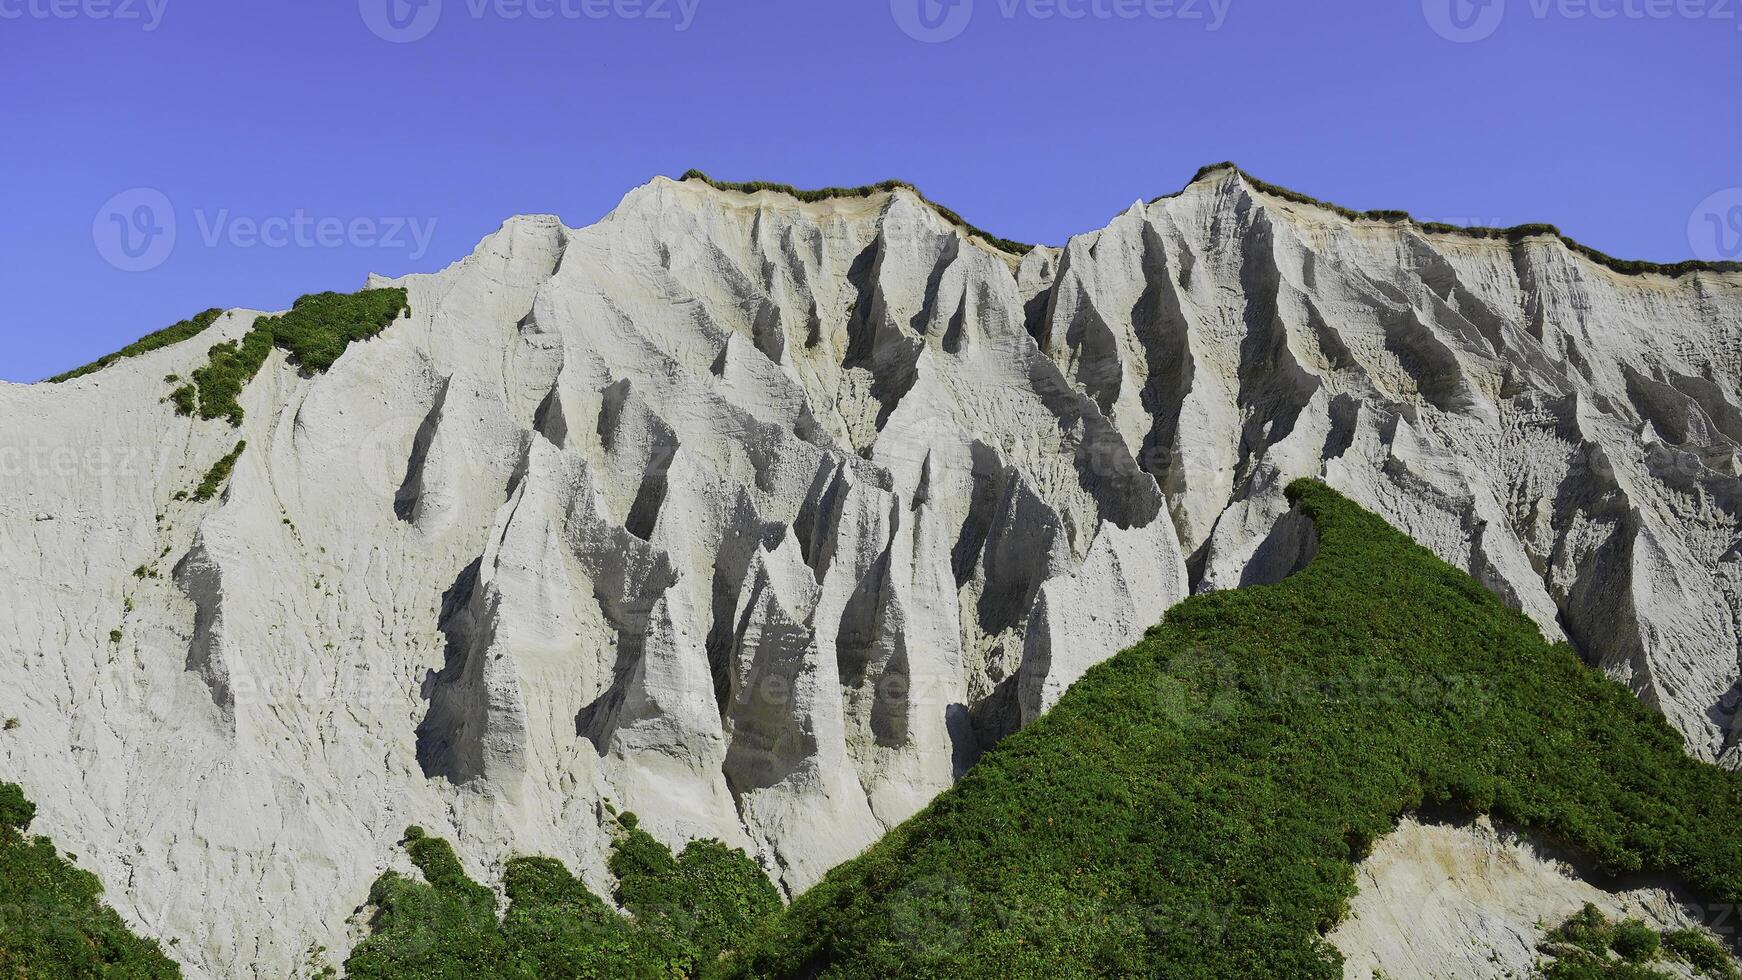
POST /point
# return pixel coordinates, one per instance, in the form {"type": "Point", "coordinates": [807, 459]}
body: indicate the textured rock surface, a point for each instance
{"type": "Point", "coordinates": [763, 518]}
{"type": "Point", "coordinates": [1472, 902]}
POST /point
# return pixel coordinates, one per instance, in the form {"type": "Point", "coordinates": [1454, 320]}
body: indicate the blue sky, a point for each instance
{"type": "Point", "coordinates": [296, 145]}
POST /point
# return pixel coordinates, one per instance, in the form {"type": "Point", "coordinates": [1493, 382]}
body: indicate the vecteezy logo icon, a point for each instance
{"type": "Point", "coordinates": [135, 230]}
{"type": "Point", "coordinates": [1464, 21]}
{"type": "Point", "coordinates": [401, 21]}
{"type": "Point", "coordinates": [1715, 230]}
{"type": "Point", "coordinates": [932, 21]}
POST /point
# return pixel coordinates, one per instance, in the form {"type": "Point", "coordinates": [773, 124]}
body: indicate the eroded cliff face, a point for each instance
{"type": "Point", "coordinates": [762, 519]}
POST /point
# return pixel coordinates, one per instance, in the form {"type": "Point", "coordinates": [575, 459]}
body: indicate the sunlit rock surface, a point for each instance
{"type": "Point", "coordinates": [763, 519]}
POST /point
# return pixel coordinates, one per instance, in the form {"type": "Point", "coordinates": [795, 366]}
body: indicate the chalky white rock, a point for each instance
{"type": "Point", "coordinates": [763, 518]}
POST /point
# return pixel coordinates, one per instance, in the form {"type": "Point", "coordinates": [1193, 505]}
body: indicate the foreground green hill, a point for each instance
{"type": "Point", "coordinates": [1192, 808]}
{"type": "Point", "coordinates": [52, 925]}
{"type": "Point", "coordinates": [1195, 806]}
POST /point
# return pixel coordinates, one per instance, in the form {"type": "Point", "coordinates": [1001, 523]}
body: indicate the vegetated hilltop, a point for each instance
{"type": "Point", "coordinates": [1194, 807]}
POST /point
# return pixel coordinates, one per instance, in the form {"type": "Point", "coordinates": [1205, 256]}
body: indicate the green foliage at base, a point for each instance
{"type": "Point", "coordinates": [52, 925]}
{"type": "Point", "coordinates": [1516, 233]}
{"type": "Point", "coordinates": [831, 193]}
{"type": "Point", "coordinates": [173, 334]}
{"type": "Point", "coordinates": [314, 333]}
{"type": "Point", "coordinates": [219, 474]}
{"type": "Point", "coordinates": [1195, 806]}
{"type": "Point", "coordinates": [683, 911]}
{"type": "Point", "coordinates": [1581, 948]}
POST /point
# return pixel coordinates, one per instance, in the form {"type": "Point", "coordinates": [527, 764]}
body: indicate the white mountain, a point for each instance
{"type": "Point", "coordinates": [763, 517]}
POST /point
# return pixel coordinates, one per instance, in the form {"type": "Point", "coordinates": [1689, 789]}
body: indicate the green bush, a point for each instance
{"type": "Point", "coordinates": [174, 334]}
{"type": "Point", "coordinates": [52, 926]}
{"type": "Point", "coordinates": [314, 333]}
{"type": "Point", "coordinates": [1517, 233]}
{"type": "Point", "coordinates": [683, 911]}
{"type": "Point", "coordinates": [219, 474]}
{"type": "Point", "coordinates": [831, 193]}
{"type": "Point", "coordinates": [16, 812]}
{"type": "Point", "coordinates": [1579, 950]}
{"type": "Point", "coordinates": [1702, 952]}
{"type": "Point", "coordinates": [1194, 806]}
{"type": "Point", "coordinates": [228, 369]}
{"type": "Point", "coordinates": [1635, 942]}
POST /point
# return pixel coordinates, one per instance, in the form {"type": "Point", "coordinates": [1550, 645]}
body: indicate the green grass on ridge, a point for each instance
{"type": "Point", "coordinates": [831, 193]}
{"type": "Point", "coordinates": [1517, 233]}
{"type": "Point", "coordinates": [173, 334]}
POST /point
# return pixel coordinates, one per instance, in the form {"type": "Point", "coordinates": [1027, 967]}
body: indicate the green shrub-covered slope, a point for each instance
{"type": "Point", "coordinates": [314, 333]}
{"type": "Point", "coordinates": [1194, 807]}
{"type": "Point", "coordinates": [52, 926]}
{"type": "Point", "coordinates": [683, 911]}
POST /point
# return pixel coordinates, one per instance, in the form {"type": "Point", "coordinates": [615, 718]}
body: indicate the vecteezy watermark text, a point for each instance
{"type": "Point", "coordinates": [404, 21]}
{"type": "Point", "coordinates": [137, 230]}
{"type": "Point", "coordinates": [936, 21]}
{"type": "Point", "coordinates": [148, 14]}
{"type": "Point", "coordinates": [1468, 21]}
{"type": "Point", "coordinates": [302, 230]}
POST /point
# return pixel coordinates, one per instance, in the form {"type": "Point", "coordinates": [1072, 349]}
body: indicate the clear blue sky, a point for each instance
{"type": "Point", "coordinates": [1036, 119]}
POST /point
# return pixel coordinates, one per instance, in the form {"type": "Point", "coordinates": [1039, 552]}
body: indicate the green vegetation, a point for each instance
{"type": "Point", "coordinates": [219, 474]}
{"type": "Point", "coordinates": [1580, 949]}
{"type": "Point", "coordinates": [1702, 952]}
{"type": "Point", "coordinates": [51, 923]}
{"type": "Point", "coordinates": [831, 193]}
{"type": "Point", "coordinates": [1194, 807]}
{"type": "Point", "coordinates": [683, 911]}
{"type": "Point", "coordinates": [1631, 267]}
{"type": "Point", "coordinates": [174, 334]}
{"type": "Point", "coordinates": [314, 333]}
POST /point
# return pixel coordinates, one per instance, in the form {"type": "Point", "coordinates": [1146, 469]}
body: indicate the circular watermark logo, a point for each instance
{"type": "Point", "coordinates": [401, 21]}
{"type": "Point", "coordinates": [135, 230]}
{"type": "Point", "coordinates": [1715, 227]}
{"type": "Point", "coordinates": [932, 21]}
{"type": "Point", "coordinates": [1464, 21]}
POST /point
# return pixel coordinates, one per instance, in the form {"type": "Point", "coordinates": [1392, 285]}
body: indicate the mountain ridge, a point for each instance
{"type": "Point", "coordinates": [765, 519]}
{"type": "Point", "coordinates": [1383, 216]}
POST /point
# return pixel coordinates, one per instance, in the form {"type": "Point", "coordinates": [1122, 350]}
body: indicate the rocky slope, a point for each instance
{"type": "Point", "coordinates": [763, 517]}
{"type": "Point", "coordinates": [1475, 900]}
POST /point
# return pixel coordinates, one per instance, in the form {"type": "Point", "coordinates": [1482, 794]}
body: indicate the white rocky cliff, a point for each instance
{"type": "Point", "coordinates": [762, 519]}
